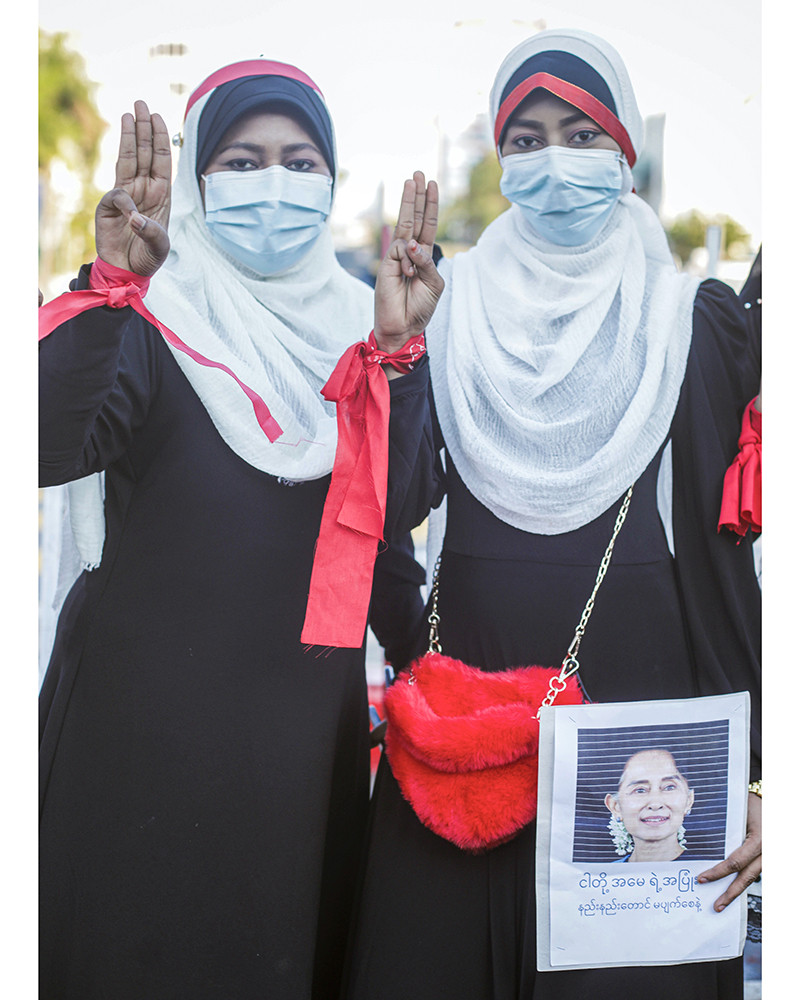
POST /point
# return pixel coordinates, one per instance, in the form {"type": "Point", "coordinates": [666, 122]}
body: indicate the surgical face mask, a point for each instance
{"type": "Point", "coordinates": [267, 219]}
{"type": "Point", "coordinates": [566, 194]}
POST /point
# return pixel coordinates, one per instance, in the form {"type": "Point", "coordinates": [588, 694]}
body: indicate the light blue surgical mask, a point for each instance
{"type": "Point", "coordinates": [567, 195]}
{"type": "Point", "coordinates": [267, 219]}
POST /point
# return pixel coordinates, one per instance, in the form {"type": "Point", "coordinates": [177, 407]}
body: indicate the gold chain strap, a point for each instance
{"type": "Point", "coordinates": [569, 664]}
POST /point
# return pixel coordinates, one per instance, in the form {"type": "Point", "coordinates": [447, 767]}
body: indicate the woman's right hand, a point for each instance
{"type": "Point", "coordinates": [131, 220]}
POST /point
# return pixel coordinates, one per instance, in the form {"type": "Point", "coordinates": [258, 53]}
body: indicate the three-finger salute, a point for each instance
{"type": "Point", "coordinates": [131, 220]}
{"type": "Point", "coordinates": [408, 285]}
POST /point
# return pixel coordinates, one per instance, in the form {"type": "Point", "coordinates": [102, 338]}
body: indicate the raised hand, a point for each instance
{"type": "Point", "coordinates": [131, 220]}
{"type": "Point", "coordinates": [408, 285]}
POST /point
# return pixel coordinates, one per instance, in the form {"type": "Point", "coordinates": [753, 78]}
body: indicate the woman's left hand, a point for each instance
{"type": "Point", "coordinates": [408, 285]}
{"type": "Point", "coordinates": [745, 860]}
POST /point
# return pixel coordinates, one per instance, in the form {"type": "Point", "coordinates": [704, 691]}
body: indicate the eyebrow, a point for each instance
{"type": "Point", "coordinates": [254, 147]}
{"type": "Point", "coordinates": [646, 781]}
{"type": "Point", "coordinates": [532, 123]}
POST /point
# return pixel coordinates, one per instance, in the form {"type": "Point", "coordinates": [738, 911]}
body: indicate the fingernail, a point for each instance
{"type": "Point", "coordinates": [413, 246]}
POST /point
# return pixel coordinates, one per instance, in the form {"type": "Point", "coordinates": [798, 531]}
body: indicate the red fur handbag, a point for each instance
{"type": "Point", "coordinates": [463, 743]}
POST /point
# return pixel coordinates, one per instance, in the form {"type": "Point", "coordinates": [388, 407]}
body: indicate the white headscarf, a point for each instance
{"type": "Point", "coordinates": [556, 370]}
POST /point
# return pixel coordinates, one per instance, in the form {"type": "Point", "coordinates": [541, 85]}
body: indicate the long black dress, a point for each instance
{"type": "Point", "coordinates": [205, 781]}
{"type": "Point", "coordinates": [436, 923]}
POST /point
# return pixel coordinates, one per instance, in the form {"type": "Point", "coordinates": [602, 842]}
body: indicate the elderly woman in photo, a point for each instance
{"type": "Point", "coordinates": [649, 807]}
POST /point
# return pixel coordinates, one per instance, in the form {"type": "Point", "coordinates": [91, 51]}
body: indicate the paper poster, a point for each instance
{"type": "Point", "coordinates": [635, 800]}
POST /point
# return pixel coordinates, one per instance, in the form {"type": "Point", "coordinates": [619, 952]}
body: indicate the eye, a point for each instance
{"type": "Point", "coordinates": [526, 142]}
{"type": "Point", "coordinates": [302, 166]}
{"type": "Point", "coordinates": [584, 136]}
{"type": "Point", "coordinates": [241, 163]}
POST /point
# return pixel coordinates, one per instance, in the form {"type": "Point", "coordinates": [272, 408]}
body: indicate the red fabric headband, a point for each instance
{"type": "Point", "coordinates": [250, 67]}
{"type": "Point", "coordinates": [583, 100]}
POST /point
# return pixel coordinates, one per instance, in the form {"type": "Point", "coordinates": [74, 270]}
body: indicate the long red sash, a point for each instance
{"type": "Point", "coordinates": [355, 508]}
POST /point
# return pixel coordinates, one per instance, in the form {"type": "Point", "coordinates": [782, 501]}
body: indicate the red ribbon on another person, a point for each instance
{"type": "Point", "coordinates": [355, 508]}
{"type": "Point", "coordinates": [741, 489]}
{"type": "Point", "coordinates": [113, 286]}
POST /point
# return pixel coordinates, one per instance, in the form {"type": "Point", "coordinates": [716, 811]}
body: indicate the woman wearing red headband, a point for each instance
{"type": "Point", "coordinates": [204, 775]}
{"type": "Point", "coordinates": [568, 360]}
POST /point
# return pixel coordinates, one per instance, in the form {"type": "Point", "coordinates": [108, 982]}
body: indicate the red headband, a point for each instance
{"type": "Point", "coordinates": [582, 100]}
{"type": "Point", "coordinates": [250, 67]}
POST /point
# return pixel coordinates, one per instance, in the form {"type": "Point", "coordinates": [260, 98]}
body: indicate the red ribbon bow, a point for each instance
{"type": "Point", "coordinates": [355, 508]}
{"type": "Point", "coordinates": [741, 489]}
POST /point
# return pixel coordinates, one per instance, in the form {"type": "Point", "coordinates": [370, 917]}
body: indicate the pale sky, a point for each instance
{"type": "Point", "coordinates": [396, 82]}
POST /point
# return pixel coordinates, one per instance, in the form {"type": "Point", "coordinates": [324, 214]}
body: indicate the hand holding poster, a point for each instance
{"type": "Point", "coordinates": [637, 799]}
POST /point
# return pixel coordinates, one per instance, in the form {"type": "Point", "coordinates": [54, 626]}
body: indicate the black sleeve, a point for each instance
{"type": "Point", "coordinates": [397, 608]}
{"type": "Point", "coordinates": [415, 472]}
{"type": "Point", "coordinates": [95, 383]}
{"type": "Point", "coordinates": [416, 483]}
{"type": "Point", "coordinates": [715, 570]}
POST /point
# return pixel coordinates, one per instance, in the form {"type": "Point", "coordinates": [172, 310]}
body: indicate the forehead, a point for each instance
{"type": "Point", "coordinates": [264, 126]}
{"type": "Point", "coordinates": [542, 103]}
{"type": "Point", "coordinates": [648, 763]}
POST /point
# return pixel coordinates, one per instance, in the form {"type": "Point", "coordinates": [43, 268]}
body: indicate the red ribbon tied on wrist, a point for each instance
{"type": "Point", "coordinates": [114, 286]}
{"type": "Point", "coordinates": [355, 508]}
{"type": "Point", "coordinates": [741, 489]}
{"type": "Point", "coordinates": [108, 286]}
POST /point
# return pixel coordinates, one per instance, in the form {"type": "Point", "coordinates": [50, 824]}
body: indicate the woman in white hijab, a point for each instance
{"type": "Point", "coordinates": [569, 360]}
{"type": "Point", "coordinates": [205, 775]}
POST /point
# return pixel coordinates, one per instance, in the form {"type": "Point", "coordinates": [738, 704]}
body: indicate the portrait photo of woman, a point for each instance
{"type": "Point", "coordinates": [651, 793]}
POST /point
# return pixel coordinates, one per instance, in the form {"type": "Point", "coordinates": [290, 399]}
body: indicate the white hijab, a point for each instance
{"type": "Point", "coordinates": [556, 370]}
